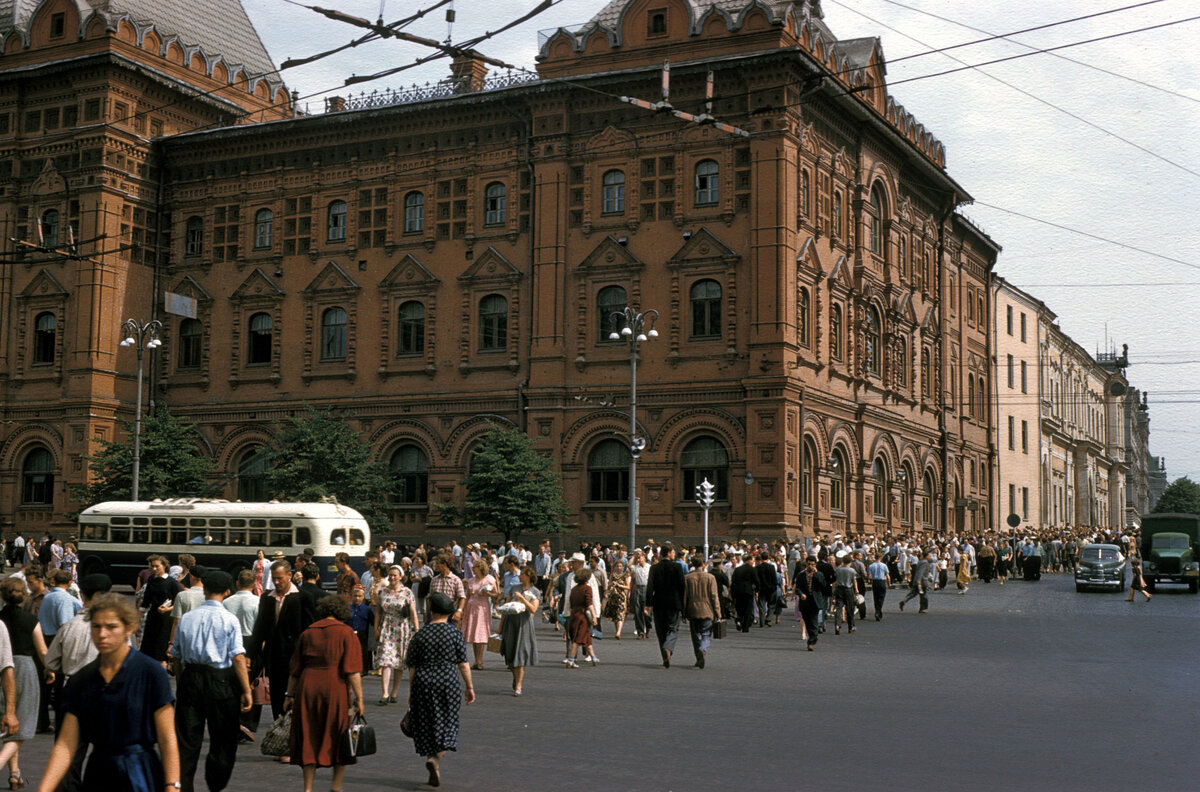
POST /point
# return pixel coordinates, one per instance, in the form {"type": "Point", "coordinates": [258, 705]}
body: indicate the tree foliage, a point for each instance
{"type": "Point", "coordinates": [510, 488]}
{"type": "Point", "coordinates": [1181, 496]}
{"type": "Point", "coordinates": [318, 455]}
{"type": "Point", "coordinates": [172, 465]}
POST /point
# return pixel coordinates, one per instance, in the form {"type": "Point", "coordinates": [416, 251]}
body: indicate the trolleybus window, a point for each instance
{"type": "Point", "coordinates": [338, 536]}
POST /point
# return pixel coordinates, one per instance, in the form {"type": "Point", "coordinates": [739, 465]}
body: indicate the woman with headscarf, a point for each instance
{"type": "Point", "coordinates": [617, 601]}
{"type": "Point", "coordinates": [395, 623]}
{"type": "Point", "coordinates": [437, 658]}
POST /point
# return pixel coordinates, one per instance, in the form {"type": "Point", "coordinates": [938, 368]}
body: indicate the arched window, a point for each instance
{"type": "Point", "coordinates": [252, 475]}
{"type": "Point", "coordinates": [809, 484]}
{"type": "Point", "coordinates": [609, 300]}
{"type": "Point", "coordinates": [411, 321]}
{"type": "Point", "coordinates": [410, 469]}
{"type": "Point", "coordinates": [493, 323]}
{"type": "Point", "coordinates": [608, 472]}
{"type": "Point", "coordinates": [802, 317]}
{"type": "Point", "coordinates": [705, 458]}
{"type": "Point", "coordinates": [414, 212]}
{"type": "Point", "coordinates": [873, 356]}
{"type": "Point", "coordinates": [837, 481]}
{"type": "Point", "coordinates": [50, 228]}
{"type": "Point", "coordinates": [336, 222]}
{"type": "Point", "coordinates": [264, 224]}
{"type": "Point", "coordinates": [906, 484]}
{"type": "Point", "coordinates": [983, 402]}
{"type": "Point", "coordinates": [837, 214]}
{"type": "Point", "coordinates": [706, 308]}
{"type": "Point", "coordinates": [613, 190]}
{"type": "Point", "coordinates": [926, 374]}
{"type": "Point", "coordinates": [928, 499]}
{"type": "Point", "coordinates": [835, 332]}
{"type": "Point", "coordinates": [707, 183]}
{"type": "Point", "coordinates": [901, 363]}
{"type": "Point", "coordinates": [970, 396]}
{"type": "Point", "coordinates": [493, 204]}
{"type": "Point", "coordinates": [193, 244]}
{"type": "Point", "coordinates": [333, 334]}
{"type": "Point", "coordinates": [903, 260]}
{"type": "Point", "coordinates": [261, 339]}
{"type": "Point", "coordinates": [191, 334]}
{"type": "Point", "coordinates": [880, 488]}
{"type": "Point", "coordinates": [876, 214]}
{"type": "Point", "coordinates": [45, 339]}
{"type": "Point", "coordinates": [37, 478]}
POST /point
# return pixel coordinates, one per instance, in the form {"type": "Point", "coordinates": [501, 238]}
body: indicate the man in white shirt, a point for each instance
{"type": "Point", "coordinates": [188, 599]}
{"type": "Point", "coordinates": [388, 554]}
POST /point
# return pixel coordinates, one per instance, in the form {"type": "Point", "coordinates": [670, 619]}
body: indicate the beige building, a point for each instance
{"type": "Point", "coordinates": [1018, 404]}
{"type": "Point", "coordinates": [1082, 434]}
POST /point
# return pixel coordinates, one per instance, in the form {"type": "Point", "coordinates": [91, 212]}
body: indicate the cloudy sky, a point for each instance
{"type": "Point", "coordinates": [1102, 138]}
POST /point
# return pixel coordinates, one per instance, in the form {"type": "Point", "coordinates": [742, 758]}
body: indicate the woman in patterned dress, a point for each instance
{"type": "Point", "coordinates": [395, 623]}
{"type": "Point", "coordinates": [617, 601]}
{"type": "Point", "coordinates": [518, 643]}
{"type": "Point", "coordinates": [477, 615]}
{"type": "Point", "coordinates": [437, 657]}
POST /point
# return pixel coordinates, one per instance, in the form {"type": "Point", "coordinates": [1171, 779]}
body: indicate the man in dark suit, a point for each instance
{"type": "Point", "coordinates": [768, 585]}
{"type": "Point", "coordinates": [311, 575]}
{"type": "Point", "coordinates": [701, 605]}
{"type": "Point", "coordinates": [283, 613]}
{"type": "Point", "coordinates": [810, 588]}
{"type": "Point", "coordinates": [743, 587]}
{"type": "Point", "coordinates": [714, 569]}
{"type": "Point", "coordinates": [664, 593]}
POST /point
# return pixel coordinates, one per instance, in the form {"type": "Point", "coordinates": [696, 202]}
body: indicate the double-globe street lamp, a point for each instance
{"type": "Point", "coordinates": [140, 335]}
{"type": "Point", "coordinates": [635, 326]}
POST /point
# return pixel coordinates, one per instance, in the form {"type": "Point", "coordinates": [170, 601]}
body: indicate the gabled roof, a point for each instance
{"type": "Point", "coordinates": [218, 27]}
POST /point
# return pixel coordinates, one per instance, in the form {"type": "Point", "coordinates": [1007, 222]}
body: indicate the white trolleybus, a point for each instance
{"type": "Point", "coordinates": [115, 537]}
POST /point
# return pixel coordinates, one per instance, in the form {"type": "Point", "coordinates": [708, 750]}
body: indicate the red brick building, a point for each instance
{"type": "Point", "coordinates": [429, 263]}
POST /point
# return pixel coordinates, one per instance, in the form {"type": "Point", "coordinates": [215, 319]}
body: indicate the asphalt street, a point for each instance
{"type": "Point", "coordinates": [1028, 686]}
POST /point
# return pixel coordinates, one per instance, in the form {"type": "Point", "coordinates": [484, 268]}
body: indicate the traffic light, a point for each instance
{"type": "Point", "coordinates": [706, 493]}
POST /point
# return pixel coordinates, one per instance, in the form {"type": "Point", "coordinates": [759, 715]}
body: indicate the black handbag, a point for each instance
{"type": "Point", "coordinates": [358, 740]}
{"type": "Point", "coordinates": [406, 725]}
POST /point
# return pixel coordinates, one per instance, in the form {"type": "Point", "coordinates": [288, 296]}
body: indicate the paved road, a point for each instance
{"type": "Point", "coordinates": [1029, 686]}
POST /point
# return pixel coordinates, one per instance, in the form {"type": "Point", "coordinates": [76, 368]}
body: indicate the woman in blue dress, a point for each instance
{"type": "Point", "coordinates": [121, 704]}
{"type": "Point", "coordinates": [437, 657]}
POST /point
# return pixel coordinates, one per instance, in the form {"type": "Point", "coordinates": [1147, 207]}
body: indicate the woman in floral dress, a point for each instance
{"type": "Point", "coordinates": [617, 601]}
{"type": "Point", "coordinates": [395, 623]}
{"type": "Point", "coordinates": [477, 615]}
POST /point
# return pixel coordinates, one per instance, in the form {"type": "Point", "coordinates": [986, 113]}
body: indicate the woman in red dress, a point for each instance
{"type": "Point", "coordinates": [326, 670]}
{"type": "Point", "coordinates": [579, 624]}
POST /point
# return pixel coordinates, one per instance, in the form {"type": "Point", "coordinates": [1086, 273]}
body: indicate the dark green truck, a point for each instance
{"type": "Point", "coordinates": [1168, 550]}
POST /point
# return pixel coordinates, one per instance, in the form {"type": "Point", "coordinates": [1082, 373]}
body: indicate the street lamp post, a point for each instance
{"type": "Point", "coordinates": [636, 326]}
{"type": "Point", "coordinates": [140, 335]}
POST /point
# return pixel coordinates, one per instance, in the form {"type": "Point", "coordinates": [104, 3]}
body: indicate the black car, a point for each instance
{"type": "Point", "coordinates": [1100, 565]}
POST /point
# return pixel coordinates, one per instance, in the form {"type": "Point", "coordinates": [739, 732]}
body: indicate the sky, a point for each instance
{"type": "Point", "coordinates": [1084, 163]}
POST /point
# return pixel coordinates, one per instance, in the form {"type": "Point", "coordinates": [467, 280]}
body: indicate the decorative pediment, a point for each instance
{"type": "Point", "coordinates": [491, 266]}
{"type": "Point", "coordinates": [807, 259]}
{"type": "Point", "coordinates": [809, 141]}
{"type": "Point", "coordinates": [902, 306]}
{"type": "Point", "coordinates": [48, 182]}
{"type": "Point", "coordinates": [331, 279]}
{"type": "Point", "coordinates": [43, 285]}
{"type": "Point", "coordinates": [927, 319]}
{"type": "Point", "coordinates": [704, 248]}
{"type": "Point", "coordinates": [611, 138]}
{"type": "Point", "coordinates": [610, 255]}
{"type": "Point", "coordinates": [257, 286]}
{"type": "Point", "coordinates": [409, 273]}
{"type": "Point", "coordinates": [904, 209]}
{"type": "Point", "coordinates": [841, 275]}
{"type": "Point", "coordinates": [841, 163]}
{"type": "Point", "coordinates": [190, 287]}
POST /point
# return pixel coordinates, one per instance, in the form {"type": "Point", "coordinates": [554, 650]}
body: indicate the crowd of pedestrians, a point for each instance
{"type": "Point", "coordinates": [274, 635]}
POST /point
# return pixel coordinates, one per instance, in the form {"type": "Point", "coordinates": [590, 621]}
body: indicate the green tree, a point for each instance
{"type": "Point", "coordinates": [1181, 496]}
{"type": "Point", "coordinates": [318, 455]}
{"type": "Point", "coordinates": [510, 488]}
{"type": "Point", "coordinates": [171, 463]}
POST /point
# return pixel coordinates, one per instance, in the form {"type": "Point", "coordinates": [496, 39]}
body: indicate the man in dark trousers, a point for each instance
{"type": "Point", "coordinates": [768, 586]}
{"type": "Point", "coordinates": [283, 613]}
{"type": "Point", "coordinates": [744, 586]}
{"type": "Point", "coordinates": [920, 584]}
{"type": "Point", "coordinates": [702, 606]}
{"type": "Point", "coordinates": [810, 588]}
{"type": "Point", "coordinates": [664, 593]}
{"type": "Point", "coordinates": [213, 685]}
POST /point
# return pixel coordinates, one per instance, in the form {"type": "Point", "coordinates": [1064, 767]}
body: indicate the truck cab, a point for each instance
{"type": "Point", "coordinates": [1168, 550]}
